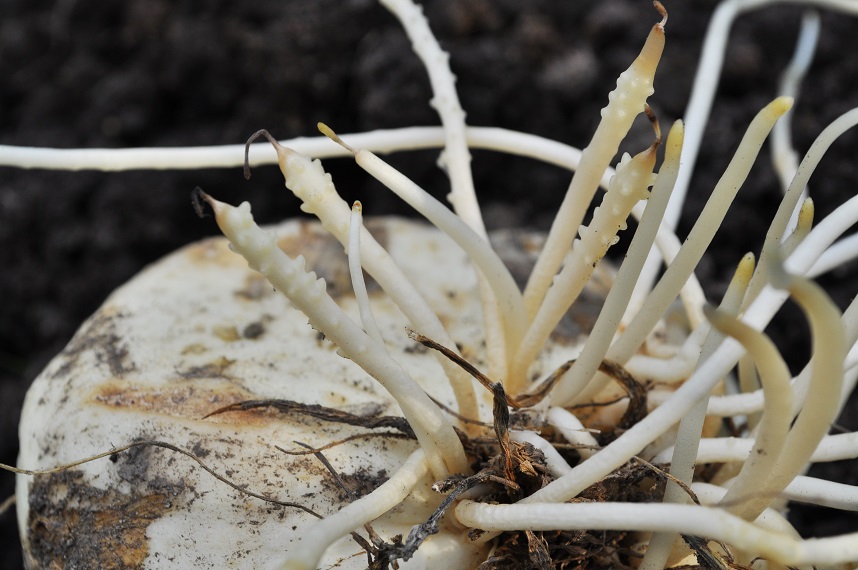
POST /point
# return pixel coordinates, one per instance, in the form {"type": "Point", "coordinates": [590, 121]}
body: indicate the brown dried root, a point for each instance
{"type": "Point", "coordinates": [323, 413]}
{"type": "Point", "coordinates": [518, 470]}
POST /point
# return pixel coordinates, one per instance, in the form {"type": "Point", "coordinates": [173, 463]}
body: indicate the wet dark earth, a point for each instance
{"type": "Point", "coordinates": [173, 73]}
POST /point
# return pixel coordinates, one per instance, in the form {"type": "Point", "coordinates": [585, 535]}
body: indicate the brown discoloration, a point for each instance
{"type": "Point", "coordinates": [195, 348]}
{"type": "Point", "coordinates": [214, 369]}
{"type": "Point", "coordinates": [72, 524]}
{"type": "Point", "coordinates": [323, 254]}
{"type": "Point", "coordinates": [294, 245]}
{"type": "Point", "coordinates": [213, 251]}
{"type": "Point", "coordinates": [226, 333]}
{"type": "Point", "coordinates": [256, 286]}
{"type": "Point", "coordinates": [99, 336]}
{"type": "Point", "coordinates": [181, 400]}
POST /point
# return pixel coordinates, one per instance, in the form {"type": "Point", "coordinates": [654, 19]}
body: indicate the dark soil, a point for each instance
{"type": "Point", "coordinates": [159, 73]}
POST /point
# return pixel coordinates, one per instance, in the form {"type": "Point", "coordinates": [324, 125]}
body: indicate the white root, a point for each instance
{"type": "Point", "coordinates": [773, 428]}
{"type": "Point", "coordinates": [308, 180]}
{"type": "Point", "coordinates": [456, 159]}
{"type": "Point", "coordinates": [689, 255]}
{"type": "Point", "coordinates": [573, 431]}
{"type": "Point", "coordinates": [434, 432]}
{"type": "Point", "coordinates": [629, 185]}
{"type": "Point", "coordinates": [702, 233]}
{"type": "Point", "coordinates": [356, 271]}
{"type": "Point", "coordinates": [697, 112]}
{"type": "Point", "coordinates": [713, 523]}
{"type": "Point", "coordinates": [624, 104]}
{"type": "Point", "coordinates": [837, 447]}
{"type": "Point", "coordinates": [506, 292]}
{"type": "Point", "coordinates": [690, 427]}
{"type": "Point", "coordinates": [357, 513]}
{"type": "Point", "coordinates": [600, 338]}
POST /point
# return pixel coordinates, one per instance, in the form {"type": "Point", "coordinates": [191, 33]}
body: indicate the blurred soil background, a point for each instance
{"type": "Point", "coordinates": [100, 73]}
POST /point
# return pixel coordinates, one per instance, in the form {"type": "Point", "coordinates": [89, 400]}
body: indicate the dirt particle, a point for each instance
{"type": "Point", "coordinates": [99, 336]}
{"type": "Point", "coordinates": [253, 331]}
{"type": "Point", "coordinates": [71, 524]}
